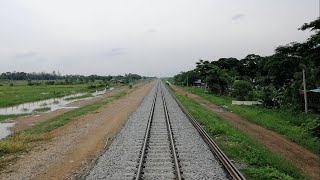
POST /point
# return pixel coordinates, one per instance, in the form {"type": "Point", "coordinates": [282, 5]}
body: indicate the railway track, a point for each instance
{"type": "Point", "coordinates": [229, 167]}
{"type": "Point", "coordinates": [158, 158]}
{"type": "Point", "coordinates": [161, 140]}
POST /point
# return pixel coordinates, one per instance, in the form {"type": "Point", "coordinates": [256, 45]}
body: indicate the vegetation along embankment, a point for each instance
{"type": "Point", "coordinates": [253, 158]}
{"type": "Point", "coordinates": [277, 82]}
{"type": "Point", "coordinates": [23, 141]}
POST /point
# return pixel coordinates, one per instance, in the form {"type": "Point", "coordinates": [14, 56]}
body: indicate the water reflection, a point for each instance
{"type": "Point", "coordinates": [4, 129]}
{"type": "Point", "coordinates": [51, 104]}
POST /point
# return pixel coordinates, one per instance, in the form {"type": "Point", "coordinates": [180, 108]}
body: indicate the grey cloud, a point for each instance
{"type": "Point", "coordinates": [151, 30]}
{"type": "Point", "coordinates": [29, 54]}
{"type": "Point", "coordinates": [238, 16]}
{"type": "Point", "coordinates": [116, 52]}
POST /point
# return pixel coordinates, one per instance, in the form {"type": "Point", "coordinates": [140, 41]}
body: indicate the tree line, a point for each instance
{"type": "Point", "coordinates": [274, 79]}
{"type": "Point", "coordinates": [58, 79]}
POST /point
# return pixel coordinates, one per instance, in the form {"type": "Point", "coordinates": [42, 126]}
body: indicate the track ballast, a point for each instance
{"type": "Point", "coordinates": [160, 142]}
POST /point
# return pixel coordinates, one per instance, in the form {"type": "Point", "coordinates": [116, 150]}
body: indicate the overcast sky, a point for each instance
{"type": "Point", "coordinates": [147, 37]}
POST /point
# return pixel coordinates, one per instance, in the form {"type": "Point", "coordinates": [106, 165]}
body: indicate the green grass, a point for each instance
{"type": "Point", "coordinates": [10, 116]}
{"type": "Point", "coordinates": [21, 93]}
{"type": "Point", "coordinates": [60, 120]}
{"type": "Point", "coordinates": [11, 146]}
{"type": "Point", "coordinates": [260, 162]}
{"type": "Point", "coordinates": [24, 140]}
{"type": "Point", "coordinates": [295, 126]}
{"type": "Point", "coordinates": [18, 142]}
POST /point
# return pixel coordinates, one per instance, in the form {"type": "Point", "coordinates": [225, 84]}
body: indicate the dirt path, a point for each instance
{"type": "Point", "coordinates": [302, 158]}
{"type": "Point", "coordinates": [77, 144]}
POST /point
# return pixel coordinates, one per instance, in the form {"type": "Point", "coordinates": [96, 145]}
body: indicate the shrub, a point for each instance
{"type": "Point", "coordinates": [91, 86]}
{"type": "Point", "coordinates": [241, 89]}
{"type": "Point", "coordinates": [49, 83]}
{"type": "Point", "coordinates": [314, 127]}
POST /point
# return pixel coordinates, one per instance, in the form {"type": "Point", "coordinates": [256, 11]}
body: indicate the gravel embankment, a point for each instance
{"type": "Point", "coordinates": [120, 160]}
{"type": "Point", "coordinates": [195, 157]}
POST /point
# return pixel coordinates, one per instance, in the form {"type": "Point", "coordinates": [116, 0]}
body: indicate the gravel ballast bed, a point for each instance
{"type": "Point", "coordinates": [195, 157]}
{"type": "Point", "coordinates": [120, 160]}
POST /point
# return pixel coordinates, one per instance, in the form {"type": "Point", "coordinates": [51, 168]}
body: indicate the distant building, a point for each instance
{"type": "Point", "coordinates": [117, 81]}
{"type": "Point", "coordinates": [313, 97]}
{"type": "Point", "coordinates": [198, 83]}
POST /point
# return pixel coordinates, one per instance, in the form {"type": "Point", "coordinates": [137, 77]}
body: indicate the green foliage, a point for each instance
{"type": "Point", "coordinates": [186, 78]}
{"type": "Point", "coordinates": [241, 89]}
{"type": "Point", "coordinates": [276, 79]}
{"type": "Point", "coordinates": [60, 120]}
{"type": "Point", "coordinates": [24, 140]}
{"type": "Point", "coordinates": [10, 116]}
{"type": "Point", "coordinates": [313, 126]}
{"type": "Point", "coordinates": [266, 173]}
{"type": "Point", "coordinates": [18, 142]}
{"type": "Point", "coordinates": [297, 126]}
{"type": "Point", "coordinates": [260, 163]}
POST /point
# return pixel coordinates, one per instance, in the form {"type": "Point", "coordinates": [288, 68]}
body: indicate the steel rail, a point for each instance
{"type": "Point", "coordinates": [173, 149]}
{"type": "Point", "coordinates": [227, 164]}
{"type": "Point", "coordinates": [146, 138]}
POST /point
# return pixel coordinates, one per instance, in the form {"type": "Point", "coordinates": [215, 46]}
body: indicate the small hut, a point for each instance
{"type": "Point", "coordinates": [313, 97]}
{"type": "Point", "coordinates": [198, 83]}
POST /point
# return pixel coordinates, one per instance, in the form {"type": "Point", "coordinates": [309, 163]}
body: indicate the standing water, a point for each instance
{"type": "Point", "coordinates": [4, 129]}
{"type": "Point", "coordinates": [51, 104]}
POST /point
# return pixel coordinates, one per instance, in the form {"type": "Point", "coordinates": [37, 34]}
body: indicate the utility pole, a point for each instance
{"type": "Point", "coordinates": [206, 84]}
{"type": "Point", "coordinates": [187, 81]}
{"type": "Point", "coordinates": [305, 91]}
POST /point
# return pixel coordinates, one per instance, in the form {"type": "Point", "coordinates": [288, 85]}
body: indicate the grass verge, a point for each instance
{"type": "Point", "coordinates": [10, 116]}
{"type": "Point", "coordinates": [22, 141]}
{"type": "Point", "coordinates": [60, 120]}
{"type": "Point", "coordinates": [18, 94]}
{"type": "Point", "coordinates": [258, 162]}
{"type": "Point", "coordinates": [295, 126]}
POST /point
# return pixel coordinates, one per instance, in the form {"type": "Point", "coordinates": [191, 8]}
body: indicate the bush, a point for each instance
{"type": "Point", "coordinates": [49, 83]}
{"type": "Point", "coordinates": [314, 127]}
{"type": "Point", "coordinates": [241, 90]}
{"type": "Point", "coordinates": [91, 86]}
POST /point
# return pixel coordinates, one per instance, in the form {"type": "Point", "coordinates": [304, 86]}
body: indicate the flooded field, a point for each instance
{"type": "Point", "coordinates": [49, 104]}
{"type": "Point", "coordinates": [46, 105]}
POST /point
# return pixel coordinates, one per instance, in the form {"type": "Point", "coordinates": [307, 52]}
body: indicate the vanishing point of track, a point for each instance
{"type": "Point", "coordinates": [159, 157]}
{"type": "Point", "coordinates": [161, 140]}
